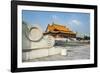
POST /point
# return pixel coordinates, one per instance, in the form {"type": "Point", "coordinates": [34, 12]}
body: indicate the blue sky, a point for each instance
{"type": "Point", "coordinates": [78, 22]}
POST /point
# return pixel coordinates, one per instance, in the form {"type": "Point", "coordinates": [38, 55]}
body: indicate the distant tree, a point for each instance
{"type": "Point", "coordinates": [23, 22]}
{"type": "Point", "coordinates": [86, 37]}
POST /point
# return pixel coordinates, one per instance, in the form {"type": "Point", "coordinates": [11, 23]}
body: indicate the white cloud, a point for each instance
{"type": "Point", "coordinates": [54, 17]}
{"type": "Point", "coordinates": [77, 22]}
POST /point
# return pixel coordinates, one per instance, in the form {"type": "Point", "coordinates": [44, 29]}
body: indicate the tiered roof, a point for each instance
{"type": "Point", "coordinates": [56, 28]}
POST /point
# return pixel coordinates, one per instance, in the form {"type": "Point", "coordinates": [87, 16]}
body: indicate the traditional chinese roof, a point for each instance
{"type": "Point", "coordinates": [55, 28]}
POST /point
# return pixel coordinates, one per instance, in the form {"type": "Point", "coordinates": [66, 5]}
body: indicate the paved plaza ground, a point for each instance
{"type": "Point", "coordinates": [73, 53]}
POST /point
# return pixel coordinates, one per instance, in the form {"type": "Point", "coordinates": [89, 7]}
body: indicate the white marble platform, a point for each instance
{"type": "Point", "coordinates": [38, 53]}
